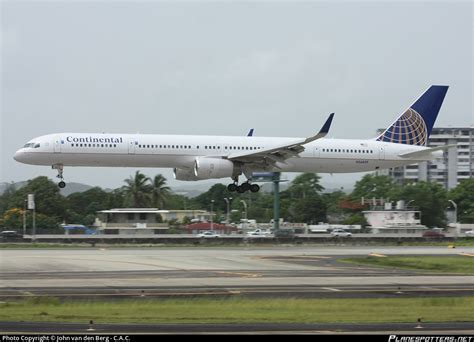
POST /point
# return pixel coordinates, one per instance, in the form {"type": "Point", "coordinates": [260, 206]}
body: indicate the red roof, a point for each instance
{"type": "Point", "coordinates": [207, 226]}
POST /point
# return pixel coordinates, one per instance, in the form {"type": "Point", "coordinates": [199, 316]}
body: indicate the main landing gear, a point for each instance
{"type": "Point", "coordinates": [243, 187]}
{"type": "Point", "coordinates": [60, 168]}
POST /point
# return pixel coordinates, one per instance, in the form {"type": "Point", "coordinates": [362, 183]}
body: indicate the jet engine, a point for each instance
{"type": "Point", "coordinates": [209, 168]}
{"type": "Point", "coordinates": [184, 174]}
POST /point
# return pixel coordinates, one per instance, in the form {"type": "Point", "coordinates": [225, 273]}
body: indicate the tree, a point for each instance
{"type": "Point", "coordinates": [430, 198]}
{"type": "Point", "coordinates": [302, 201]}
{"type": "Point", "coordinates": [463, 196]}
{"type": "Point", "coordinates": [306, 184]}
{"type": "Point", "coordinates": [371, 186]}
{"type": "Point", "coordinates": [217, 192]}
{"type": "Point", "coordinates": [160, 191]}
{"type": "Point", "coordinates": [137, 191]}
{"type": "Point", "coordinates": [48, 200]}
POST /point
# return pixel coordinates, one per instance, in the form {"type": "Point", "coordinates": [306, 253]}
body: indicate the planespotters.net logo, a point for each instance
{"type": "Point", "coordinates": [411, 338]}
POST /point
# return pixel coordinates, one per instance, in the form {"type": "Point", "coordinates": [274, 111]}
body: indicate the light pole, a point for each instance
{"type": "Point", "coordinates": [245, 214]}
{"type": "Point", "coordinates": [24, 216]}
{"type": "Point", "coordinates": [227, 200]}
{"type": "Point", "coordinates": [212, 222]}
{"type": "Point", "coordinates": [455, 216]}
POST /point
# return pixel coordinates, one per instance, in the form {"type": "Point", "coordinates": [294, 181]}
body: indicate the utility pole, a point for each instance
{"type": "Point", "coordinates": [25, 202]}
{"type": "Point", "coordinates": [212, 219]}
{"type": "Point", "coordinates": [31, 206]}
{"type": "Point", "coordinates": [276, 200]}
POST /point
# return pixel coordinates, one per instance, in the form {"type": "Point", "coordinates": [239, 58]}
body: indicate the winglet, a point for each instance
{"type": "Point", "coordinates": [327, 125]}
{"type": "Point", "coordinates": [250, 133]}
{"type": "Point", "coordinates": [322, 133]}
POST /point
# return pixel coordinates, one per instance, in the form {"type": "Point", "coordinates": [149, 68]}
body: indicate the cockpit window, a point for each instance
{"type": "Point", "coordinates": [32, 145]}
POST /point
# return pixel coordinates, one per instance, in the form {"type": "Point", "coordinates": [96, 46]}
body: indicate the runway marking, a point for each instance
{"type": "Point", "coordinates": [331, 289]}
{"type": "Point", "coordinates": [291, 257]}
{"type": "Point", "coordinates": [242, 274]}
{"type": "Point", "coordinates": [466, 254]}
{"type": "Point", "coordinates": [377, 255]}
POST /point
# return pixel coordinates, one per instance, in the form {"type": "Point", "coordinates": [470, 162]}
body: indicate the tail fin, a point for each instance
{"type": "Point", "coordinates": [414, 126]}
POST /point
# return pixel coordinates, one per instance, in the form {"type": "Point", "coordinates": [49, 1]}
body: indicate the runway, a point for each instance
{"type": "Point", "coordinates": [256, 272]}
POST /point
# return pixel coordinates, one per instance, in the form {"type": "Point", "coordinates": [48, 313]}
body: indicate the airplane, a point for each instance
{"type": "Point", "coordinates": [195, 157]}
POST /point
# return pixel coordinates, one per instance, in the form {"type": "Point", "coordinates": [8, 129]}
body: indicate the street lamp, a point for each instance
{"type": "Point", "coordinates": [245, 214]}
{"type": "Point", "coordinates": [227, 200]}
{"type": "Point", "coordinates": [455, 216]}
{"type": "Point", "coordinates": [212, 222]}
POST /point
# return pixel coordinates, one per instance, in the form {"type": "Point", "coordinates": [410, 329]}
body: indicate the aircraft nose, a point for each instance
{"type": "Point", "coordinates": [19, 156]}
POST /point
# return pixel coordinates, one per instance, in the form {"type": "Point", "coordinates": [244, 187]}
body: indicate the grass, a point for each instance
{"type": "Point", "coordinates": [242, 310]}
{"type": "Point", "coordinates": [443, 264]}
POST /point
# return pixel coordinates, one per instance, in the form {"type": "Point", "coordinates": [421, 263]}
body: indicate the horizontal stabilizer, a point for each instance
{"type": "Point", "coordinates": [425, 154]}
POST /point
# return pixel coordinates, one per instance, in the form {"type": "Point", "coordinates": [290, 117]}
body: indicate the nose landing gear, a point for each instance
{"type": "Point", "coordinates": [60, 168]}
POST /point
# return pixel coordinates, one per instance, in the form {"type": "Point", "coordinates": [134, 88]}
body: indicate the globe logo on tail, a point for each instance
{"type": "Point", "coordinates": [410, 129]}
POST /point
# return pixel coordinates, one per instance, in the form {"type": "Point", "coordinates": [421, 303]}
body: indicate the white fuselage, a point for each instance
{"type": "Point", "coordinates": [181, 151]}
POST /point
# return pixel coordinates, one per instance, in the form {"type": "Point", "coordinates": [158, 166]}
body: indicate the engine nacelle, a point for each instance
{"type": "Point", "coordinates": [209, 168]}
{"type": "Point", "coordinates": [184, 174]}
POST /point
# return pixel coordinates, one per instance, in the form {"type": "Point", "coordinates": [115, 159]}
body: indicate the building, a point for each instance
{"type": "Point", "coordinates": [457, 162]}
{"type": "Point", "coordinates": [142, 221]}
{"type": "Point", "coordinates": [396, 220]}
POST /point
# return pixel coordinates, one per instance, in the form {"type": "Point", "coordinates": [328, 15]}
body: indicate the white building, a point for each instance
{"type": "Point", "coordinates": [457, 162]}
{"type": "Point", "coordinates": [394, 220]}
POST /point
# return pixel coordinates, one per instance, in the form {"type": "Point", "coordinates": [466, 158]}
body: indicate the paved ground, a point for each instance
{"type": "Point", "coordinates": [255, 272]}
{"type": "Point", "coordinates": [277, 271]}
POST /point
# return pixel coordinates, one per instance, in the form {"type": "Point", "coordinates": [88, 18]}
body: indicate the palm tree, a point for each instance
{"type": "Point", "coordinates": [160, 191]}
{"type": "Point", "coordinates": [138, 190]}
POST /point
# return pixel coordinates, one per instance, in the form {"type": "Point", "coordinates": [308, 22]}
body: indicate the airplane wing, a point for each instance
{"type": "Point", "coordinates": [281, 152]}
{"type": "Point", "coordinates": [425, 154]}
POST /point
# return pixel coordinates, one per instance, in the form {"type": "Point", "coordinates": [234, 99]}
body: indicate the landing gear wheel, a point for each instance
{"type": "Point", "coordinates": [245, 186]}
{"type": "Point", "coordinates": [232, 187]}
{"type": "Point", "coordinates": [254, 188]}
{"type": "Point", "coordinates": [240, 189]}
{"type": "Point", "coordinates": [62, 184]}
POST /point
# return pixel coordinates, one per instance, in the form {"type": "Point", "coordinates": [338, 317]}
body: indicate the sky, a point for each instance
{"type": "Point", "coordinates": [221, 68]}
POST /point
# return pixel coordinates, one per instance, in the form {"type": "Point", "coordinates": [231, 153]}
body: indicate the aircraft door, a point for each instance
{"type": "Point", "coordinates": [381, 153]}
{"type": "Point", "coordinates": [57, 144]}
{"type": "Point", "coordinates": [132, 144]}
{"type": "Point", "coordinates": [317, 152]}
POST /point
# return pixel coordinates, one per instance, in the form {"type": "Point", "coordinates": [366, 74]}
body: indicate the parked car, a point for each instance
{"type": "Point", "coordinates": [434, 234]}
{"type": "Point", "coordinates": [259, 232]}
{"type": "Point", "coordinates": [341, 232]}
{"type": "Point", "coordinates": [208, 234]}
{"type": "Point", "coordinates": [469, 233]}
{"type": "Point", "coordinates": [10, 235]}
